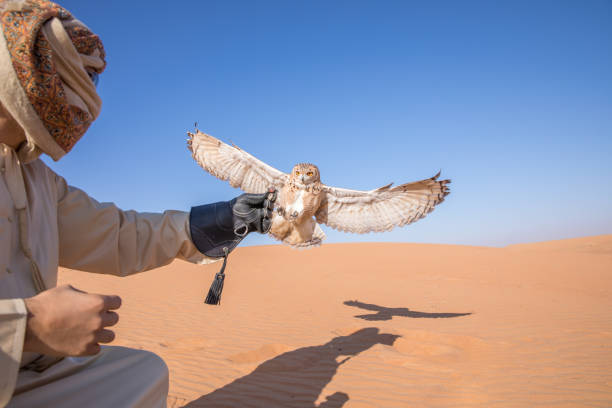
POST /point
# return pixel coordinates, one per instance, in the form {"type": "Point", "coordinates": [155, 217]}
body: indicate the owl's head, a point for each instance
{"type": "Point", "coordinates": [305, 173]}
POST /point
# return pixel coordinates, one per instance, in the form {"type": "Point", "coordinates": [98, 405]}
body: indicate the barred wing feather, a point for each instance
{"type": "Point", "coordinates": [234, 164]}
{"type": "Point", "coordinates": [381, 209]}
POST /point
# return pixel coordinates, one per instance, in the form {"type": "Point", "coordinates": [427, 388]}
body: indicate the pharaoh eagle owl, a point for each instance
{"type": "Point", "coordinates": [304, 202]}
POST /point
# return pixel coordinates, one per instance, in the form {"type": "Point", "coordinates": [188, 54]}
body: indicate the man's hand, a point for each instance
{"type": "Point", "coordinates": [214, 227]}
{"type": "Point", "coordinates": [253, 212]}
{"type": "Point", "coordinates": [65, 321]}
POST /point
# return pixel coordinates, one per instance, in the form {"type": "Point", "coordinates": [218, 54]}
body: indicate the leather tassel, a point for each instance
{"type": "Point", "coordinates": [214, 293]}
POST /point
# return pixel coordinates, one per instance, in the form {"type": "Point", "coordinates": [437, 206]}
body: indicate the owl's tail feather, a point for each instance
{"type": "Point", "coordinates": [318, 233]}
{"type": "Point", "coordinates": [317, 239]}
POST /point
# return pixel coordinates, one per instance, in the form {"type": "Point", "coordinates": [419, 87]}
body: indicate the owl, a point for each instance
{"type": "Point", "coordinates": [304, 202]}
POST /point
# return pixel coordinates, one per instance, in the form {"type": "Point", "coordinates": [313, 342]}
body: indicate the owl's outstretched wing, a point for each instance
{"type": "Point", "coordinates": [381, 209]}
{"type": "Point", "coordinates": [234, 164]}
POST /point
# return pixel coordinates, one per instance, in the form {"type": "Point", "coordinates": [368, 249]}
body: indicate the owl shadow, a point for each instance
{"type": "Point", "coordinates": [387, 313]}
{"type": "Point", "coordinates": [296, 378]}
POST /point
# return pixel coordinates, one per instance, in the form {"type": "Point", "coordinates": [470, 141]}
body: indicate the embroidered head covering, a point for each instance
{"type": "Point", "coordinates": [47, 61]}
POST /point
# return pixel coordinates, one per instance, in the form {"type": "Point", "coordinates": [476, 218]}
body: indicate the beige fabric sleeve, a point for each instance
{"type": "Point", "coordinates": [13, 318]}
{"type": "Point", "coordinates": [99, 237]}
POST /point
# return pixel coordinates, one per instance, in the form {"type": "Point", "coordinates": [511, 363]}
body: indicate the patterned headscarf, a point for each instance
{"type": "Point", "coordinates": [47, 59]}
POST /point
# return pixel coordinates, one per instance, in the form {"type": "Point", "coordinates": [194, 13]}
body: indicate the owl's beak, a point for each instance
{"type": "Point", "coordinates": [303, 180]}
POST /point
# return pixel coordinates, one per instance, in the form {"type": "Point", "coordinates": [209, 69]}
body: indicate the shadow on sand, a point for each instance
{"type": "Point", "coordinates": [296, 378]}
{"type": "Point", "coordinates": [387, 313]}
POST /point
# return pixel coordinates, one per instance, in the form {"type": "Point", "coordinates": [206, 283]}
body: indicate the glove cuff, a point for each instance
{"type": "Point", "coordinates": [212, 228]}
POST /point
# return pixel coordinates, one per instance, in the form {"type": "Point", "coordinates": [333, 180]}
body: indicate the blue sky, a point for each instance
{"type": "Point", "coordinates": [511, 100]}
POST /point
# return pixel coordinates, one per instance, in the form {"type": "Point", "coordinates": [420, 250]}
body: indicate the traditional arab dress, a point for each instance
{"type": "Point", "coordinates": [47, 62]}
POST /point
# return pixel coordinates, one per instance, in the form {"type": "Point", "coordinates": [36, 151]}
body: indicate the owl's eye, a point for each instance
{"type": "Point", "coordinates": [309, 174]}
{"type": "Point", "coordinates": [297, 173]}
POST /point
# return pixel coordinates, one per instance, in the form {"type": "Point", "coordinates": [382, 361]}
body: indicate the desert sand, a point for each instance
{"type": "Point", "coordinates": [379, 325]}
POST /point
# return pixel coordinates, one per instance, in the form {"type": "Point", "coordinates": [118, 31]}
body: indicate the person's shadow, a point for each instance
{"type": "Point", "coordinates": [387, 313]}
{"type": "Point", "coordinates": [295, 378]}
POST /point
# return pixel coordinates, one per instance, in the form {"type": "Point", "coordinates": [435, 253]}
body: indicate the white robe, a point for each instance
{"type": "Point", "coordinates": [63, 226]}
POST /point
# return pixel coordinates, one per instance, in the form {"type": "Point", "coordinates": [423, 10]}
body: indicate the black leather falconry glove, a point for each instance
{"type": "Point", "coordinates": [216, 229]}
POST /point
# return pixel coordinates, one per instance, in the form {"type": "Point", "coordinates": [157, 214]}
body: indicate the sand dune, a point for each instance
{"type": "Point", "coordinates": [380, 325]}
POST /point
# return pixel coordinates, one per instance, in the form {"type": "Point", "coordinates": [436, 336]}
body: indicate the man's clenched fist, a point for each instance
{"type": "Point", "coordinates": [65, 321]}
